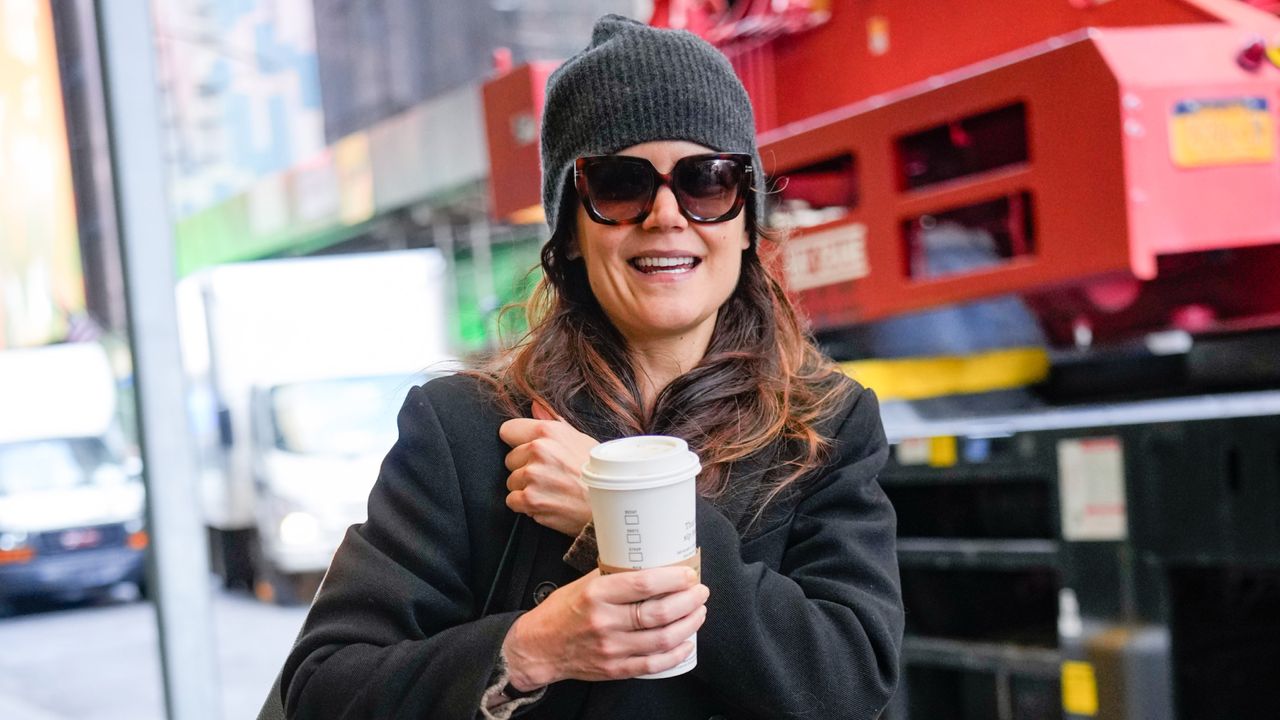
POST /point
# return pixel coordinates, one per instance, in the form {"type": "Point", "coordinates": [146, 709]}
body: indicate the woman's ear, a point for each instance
{"type": "Point", "coordinates": [572, 251]}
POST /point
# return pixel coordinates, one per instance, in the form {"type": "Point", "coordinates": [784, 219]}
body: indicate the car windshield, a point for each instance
{"type": "Point", "coordinates": [344, 416]}
{"type": "Point", "coordinates": [55, 464]}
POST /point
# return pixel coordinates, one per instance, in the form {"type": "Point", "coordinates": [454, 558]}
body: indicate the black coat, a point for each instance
{"type": "Point", "coordinates": [804, 618]}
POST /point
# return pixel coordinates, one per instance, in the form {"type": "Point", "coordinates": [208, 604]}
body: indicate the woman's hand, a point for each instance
{"type": "Point", "coordinates": [545, 462]}
{"type": "Point", "coordinates": [607, 627]}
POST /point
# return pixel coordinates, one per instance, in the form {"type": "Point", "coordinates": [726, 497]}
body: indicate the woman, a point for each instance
{"type": "Point", "coordinates": [655, 316]}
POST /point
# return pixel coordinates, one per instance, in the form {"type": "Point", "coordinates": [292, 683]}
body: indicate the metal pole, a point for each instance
{"type": "Point", "coordinates": [486, 297]}
{"type": "Point", "coordinates": [180, 565]}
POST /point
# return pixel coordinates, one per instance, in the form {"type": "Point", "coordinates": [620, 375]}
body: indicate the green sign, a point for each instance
{"type": "Point", "coordinates": [479, 323]}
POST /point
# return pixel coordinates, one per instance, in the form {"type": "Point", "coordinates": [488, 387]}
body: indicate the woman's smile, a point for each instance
{"type": "Point", "coordinates": [661, 266]}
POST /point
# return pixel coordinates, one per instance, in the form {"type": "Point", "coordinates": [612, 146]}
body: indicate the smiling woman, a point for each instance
{"type": "Point", "coordinates": [655, 316]}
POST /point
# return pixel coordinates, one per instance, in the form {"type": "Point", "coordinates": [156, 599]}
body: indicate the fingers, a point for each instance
{"type": "Point", "coordinates": [661, 611]}
{"type": "Point", "coordinates": [519, 456]}
{"type": "Point", "coordinates": [517, 502]}
{"type": "Point", "coordinates": [545, 462]}
{"type": "Point", "coordinates": [544, 423]}
{"type": "Point", "coordinates": [627, 587]}
{"type": "Point", "coordinates": [518, 480]}
{"type": "Point", "coordinates": [542, 412]}
{"type": "Point", "coordinates": [528, 501]}
{"type": "Point", "coordinates": [535, 464]}
{"type": "Point", "coordinates": [650, 664]}
{"type": "Point", "coordinates": [518, 431]}
{"type": "Point", "coordinates": [665, 638]}
{"type": "Point", "coordinates": [546, 449]}
{"type": "Point", "coordinates": [595, 639]}
{"type": "Point", "coordinates": [626, 652]}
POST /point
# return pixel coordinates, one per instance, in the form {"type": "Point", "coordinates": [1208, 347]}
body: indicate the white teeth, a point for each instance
{"type": "Point", "coordinates": [663, 262]}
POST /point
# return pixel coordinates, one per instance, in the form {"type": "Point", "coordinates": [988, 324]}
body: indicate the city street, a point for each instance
{"type": "Point", "coordinates": [934, 334]}
{"type": "Point", "coordinates": [102, 661]}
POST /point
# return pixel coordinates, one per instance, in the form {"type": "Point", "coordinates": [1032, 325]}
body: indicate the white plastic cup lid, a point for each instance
{"type": "Point", "coordinates": [643, 461]}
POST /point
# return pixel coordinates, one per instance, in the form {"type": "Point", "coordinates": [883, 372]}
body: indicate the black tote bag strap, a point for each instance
{"type": "Point", "coordinates": [516, 564]}
{"type": "Point", "coordinates": [502, 565]}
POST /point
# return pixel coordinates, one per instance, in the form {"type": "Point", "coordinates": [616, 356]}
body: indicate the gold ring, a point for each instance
{"type": "Point", "coordinates": [635, 615]}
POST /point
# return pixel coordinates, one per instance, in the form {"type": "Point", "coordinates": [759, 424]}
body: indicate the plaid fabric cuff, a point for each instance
{"type": "Point", "coordinates": [500, 700]}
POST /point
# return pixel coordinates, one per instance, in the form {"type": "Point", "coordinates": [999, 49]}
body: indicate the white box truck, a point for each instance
{"type": "Point", "coordinates": [297, 368]}
{"type": "Point", "coordinates": [71, 494]}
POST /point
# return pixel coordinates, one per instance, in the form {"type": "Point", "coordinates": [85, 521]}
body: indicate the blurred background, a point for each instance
{"type": "Point", "coordinates": [233, 233]}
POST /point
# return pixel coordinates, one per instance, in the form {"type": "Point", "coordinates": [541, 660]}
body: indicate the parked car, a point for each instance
{"type": "Point", "coordinates": [71, 499]}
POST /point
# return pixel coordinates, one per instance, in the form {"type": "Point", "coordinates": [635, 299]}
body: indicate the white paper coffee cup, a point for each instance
{"type": "Point", "coordinates": [643, 495]}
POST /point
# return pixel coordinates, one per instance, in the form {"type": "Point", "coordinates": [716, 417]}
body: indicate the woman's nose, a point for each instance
{"type": "Point", "coordinates": [665, 214]}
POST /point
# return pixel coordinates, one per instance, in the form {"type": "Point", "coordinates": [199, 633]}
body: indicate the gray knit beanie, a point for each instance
{"type": "Point", "coordinates": [635, 83]}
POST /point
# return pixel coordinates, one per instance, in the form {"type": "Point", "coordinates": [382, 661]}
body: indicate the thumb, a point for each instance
{"type": "Point", "coordinates": [542, 412]}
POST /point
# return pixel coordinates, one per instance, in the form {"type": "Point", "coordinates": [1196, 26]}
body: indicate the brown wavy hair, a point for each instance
{"type": "Point", "coordinates": [758, 394]}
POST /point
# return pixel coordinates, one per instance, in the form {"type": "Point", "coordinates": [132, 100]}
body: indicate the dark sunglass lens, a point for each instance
{"type": "Point", "coordinates": [619, 189]}
{"type": "Point", "coordinates": [709, 188]}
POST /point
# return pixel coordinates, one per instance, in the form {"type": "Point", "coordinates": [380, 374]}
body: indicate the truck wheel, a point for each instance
{"type": "Point", "coordinates": [285, 589]}
{"type": "Point", "coordinates": [144, 589]}
{"type": "Point", "coordinates": [232, 557]}
{"type": "Point", "coordinates": [271, 585]}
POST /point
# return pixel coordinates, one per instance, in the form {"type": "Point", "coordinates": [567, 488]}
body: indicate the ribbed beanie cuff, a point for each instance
{"type": "Point", "coordinates": [633, 84]}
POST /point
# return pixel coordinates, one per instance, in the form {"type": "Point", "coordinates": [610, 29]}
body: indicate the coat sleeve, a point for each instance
{"type": "Point", "coordinates": [819, 637]}
{"type": "Point", "coordinates": [392, 632]}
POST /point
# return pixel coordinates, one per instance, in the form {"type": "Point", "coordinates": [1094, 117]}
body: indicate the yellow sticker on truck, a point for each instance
{"type": "Point", "coordinates": [1079, 688]}
{"type": "Point", "coordinates": [1225, 131]}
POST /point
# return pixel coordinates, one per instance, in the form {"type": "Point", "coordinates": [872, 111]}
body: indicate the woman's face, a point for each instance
{"type": "Point", "coordinates": [701, 262]}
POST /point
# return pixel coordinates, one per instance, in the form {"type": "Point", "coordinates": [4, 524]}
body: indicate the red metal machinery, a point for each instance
{"type": "Point", "coordinates": [1109, 168]}
{"type": "Point", "coordinates": [513, 113]}
{"type": "Point", "coordinates": [1118, 154]}
{"type": "Point", "coordinates": [1126, 172]}
{"type": "Point", "coordinates": [831, 53]}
